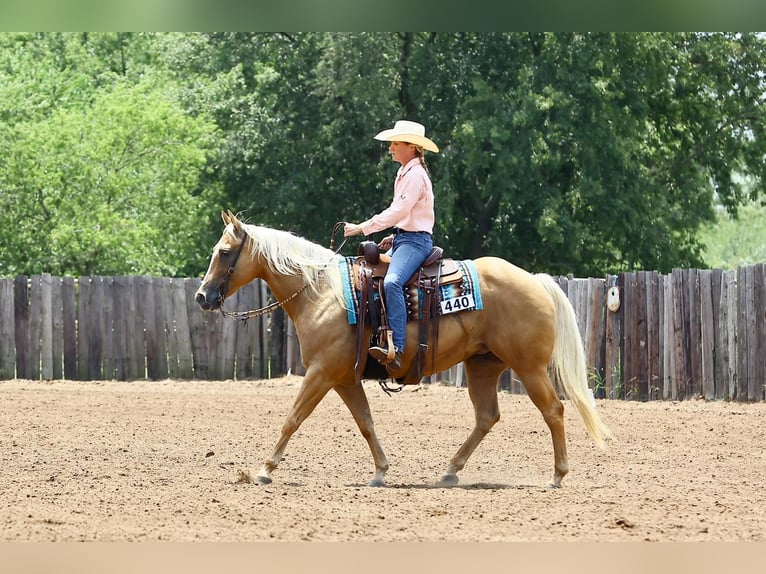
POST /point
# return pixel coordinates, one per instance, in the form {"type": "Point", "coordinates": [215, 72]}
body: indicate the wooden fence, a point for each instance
{"type": "Point", "coordinates": [687, 334]}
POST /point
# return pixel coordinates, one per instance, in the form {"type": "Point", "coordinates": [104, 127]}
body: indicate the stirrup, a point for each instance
{"type": "Point", "coordinates": [391, 349]}
{"type": "Point", "coordinates": [384, 356]}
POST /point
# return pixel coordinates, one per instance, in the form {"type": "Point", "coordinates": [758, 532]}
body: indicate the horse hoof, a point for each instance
{"type": "Point", "coordinates": [554, 485]}
{"type": "Point", "coordinates": [263, 479]}
{"type": "Point", "coordinates": [377, 482]}
{"type": "Point", "coordinates": [448, 480]}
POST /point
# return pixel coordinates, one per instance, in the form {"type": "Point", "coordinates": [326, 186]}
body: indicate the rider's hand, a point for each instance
{"type": "Point", "coordinates": [386, 243]}
{"type": "Point", "coordinates": [350, 229]}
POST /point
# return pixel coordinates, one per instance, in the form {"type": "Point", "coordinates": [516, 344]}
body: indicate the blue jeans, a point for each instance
{"type": "Point", "coordinates": [408, 252]}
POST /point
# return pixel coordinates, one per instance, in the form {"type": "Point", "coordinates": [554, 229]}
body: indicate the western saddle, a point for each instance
{"type": "Point", "coordinates": [369, 269]}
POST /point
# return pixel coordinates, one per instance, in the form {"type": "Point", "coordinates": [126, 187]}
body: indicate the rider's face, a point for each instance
{"type": "Point", "coordinates": [401, 152]}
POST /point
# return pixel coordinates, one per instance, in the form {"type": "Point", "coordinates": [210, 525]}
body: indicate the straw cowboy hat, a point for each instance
{"type": "Point", "coordinates": [410, 132]}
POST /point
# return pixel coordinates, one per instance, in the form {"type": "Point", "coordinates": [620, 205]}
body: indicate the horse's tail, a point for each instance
{"type": "Point", "coordinates": [568, 364]}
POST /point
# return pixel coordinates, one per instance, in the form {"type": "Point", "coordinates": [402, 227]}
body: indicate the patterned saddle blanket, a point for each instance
{"type": "Point", "coordinates": [457, 288]}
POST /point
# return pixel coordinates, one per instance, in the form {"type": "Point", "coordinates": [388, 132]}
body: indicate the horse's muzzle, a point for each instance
{"type": "Point", "coordinates": [208, 299]}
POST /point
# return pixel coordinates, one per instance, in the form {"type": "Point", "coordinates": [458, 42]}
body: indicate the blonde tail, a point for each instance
{"type": "Point", "coordinates": [568, 364]}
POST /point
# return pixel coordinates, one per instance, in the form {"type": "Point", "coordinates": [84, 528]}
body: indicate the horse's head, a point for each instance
{"type": "Point", "coordinates": [223, 276]}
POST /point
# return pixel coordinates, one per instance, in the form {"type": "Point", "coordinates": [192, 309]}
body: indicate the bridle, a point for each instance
{"type": "Point", "coordinates": [253, 313]}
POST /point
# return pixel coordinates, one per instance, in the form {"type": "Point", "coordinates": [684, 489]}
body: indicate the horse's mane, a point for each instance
{"type": "Point", "coordinates": [290, 254]}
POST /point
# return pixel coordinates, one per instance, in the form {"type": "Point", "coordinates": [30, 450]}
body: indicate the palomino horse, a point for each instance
{"type": "Point", "coordinates": [527, 324]}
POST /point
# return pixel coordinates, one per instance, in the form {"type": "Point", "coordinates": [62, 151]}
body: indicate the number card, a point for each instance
{"type": "Point", "coordinates": [460, 303]}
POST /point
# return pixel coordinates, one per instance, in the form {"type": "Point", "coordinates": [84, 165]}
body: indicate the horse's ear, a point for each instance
{"type": "Point", "coordinates": [229, 217]}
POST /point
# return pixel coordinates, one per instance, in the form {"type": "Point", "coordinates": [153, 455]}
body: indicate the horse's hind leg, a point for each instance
{"type": "Point", "coordinates": [540, 389]}
{"type": "Point", "coordinates": [482, 373]}
{"type": "Point", "coordinates": [356, 401]}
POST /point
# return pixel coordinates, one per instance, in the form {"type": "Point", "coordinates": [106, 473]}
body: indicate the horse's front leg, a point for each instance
{"type": "Point", "coordinates": [354, 397]}
{"type": "Point", "coordinates": [313, 390]}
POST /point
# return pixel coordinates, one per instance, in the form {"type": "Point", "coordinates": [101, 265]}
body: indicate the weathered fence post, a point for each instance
{"type": "Point", "coordinates": [7, 331]}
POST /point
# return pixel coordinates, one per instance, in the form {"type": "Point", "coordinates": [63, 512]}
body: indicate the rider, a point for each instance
{"type": "Point", "coordinates": [411, 214]}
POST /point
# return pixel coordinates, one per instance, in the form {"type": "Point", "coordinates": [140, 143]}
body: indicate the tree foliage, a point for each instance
{"type": "Point", "coordinates": [104, 181]}
{"type": "Point", "coordinates": [583, 153]}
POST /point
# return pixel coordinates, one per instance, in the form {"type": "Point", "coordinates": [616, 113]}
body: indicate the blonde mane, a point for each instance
{"type": "Point", "coordinates": [290, 254]}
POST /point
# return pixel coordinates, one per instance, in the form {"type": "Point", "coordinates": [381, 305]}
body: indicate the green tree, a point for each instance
{"type": "Point", "coordinates": [580, 153]}
{"type": "Point", "coordinates": [297, 113]}
{"type": "Point", "coordinates": [104, 181]}
{"type": "Point", "coordinates": [590, 153]}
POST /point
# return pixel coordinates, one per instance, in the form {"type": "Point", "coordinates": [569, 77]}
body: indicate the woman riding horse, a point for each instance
{"type": "Point", "coordinates": [527, 324]}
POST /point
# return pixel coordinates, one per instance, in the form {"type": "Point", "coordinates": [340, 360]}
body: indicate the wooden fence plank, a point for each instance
{"type": "Point", "coordinates": [160, 329]}
{"type": "Point", "coordinates": [630, 337]}
{"type": "Point", "coordinates": [46, 326]}
{"type": "Point", "coordinates": [268, 339]}
{"type": "Point", "coordinates": [753, 383]}
{"type": "Point", "coordinates": [35, 325]}
{"type": "Point", "coordinates": [21, 320]}
{"type": "Point", "coordinates": [720, 343]}
{"type": "Point", "coordinates": [642, 369]}
{"type": "Point", "coordinates": [69, 325]}
{"type": "Point", "coordinates": [576, 288]}
{"type": "Point", "coordinates": [197, 330]}
{"type": "Point", "coordinates": [707, 334]}
{"type": "Point", "coordinates": [247, 351]}
{"type": "Point", "coordinates": [679, 328]}
{"type": "Point", "coordinates": [242, 353]}
{"type": "Point", "coordinates": [652, 355]}
{"type": "Point", "coordinates": [7, 331]}
{"type": "Point", "coordinates": [136, 341]}
{"type": "Point", "coordinates": [213, 333]}
{"type": "Point", "coordinates": [83, 327]}
{"type": "Point", "coordinates": [594, 329]}
{"type": "Point", "coordinates": [612, 346]}
{"type": "Point", "coordinates": [277, 343]}
{"type": "Point", "coordinates": [57, 327]}
{"type": "Point", "coordinates": [669, 388]}
{"type": "Point", "coordinates": [722, 357]}
{"type": "Point", "coordinates": [742, 345]}
{"type": "Point", "coordinates": [108, 328]}
{"type": "Point", "coordinates": [731, 323]}
{"type": "Point", "coordinates": [759, 316]}
{"type": "Point", "coordinates": [95, 329]}
{"type": "Point", "coordinates": [695, 335]}
{"type": "Point", "coordinates": [181, 314]}
{"type": "Point", "coordinates": [120, 290]}
{"type": "Point", "coordinates": [166, 294]}
{"type": "Point", "coordinates": [227, 347]}
{"type": "Point", "coordinates": [756, 382]}
{"type": "Point", "coordinates": [148, 310]}
{"type": "Point", "coordinates": [660, 334]}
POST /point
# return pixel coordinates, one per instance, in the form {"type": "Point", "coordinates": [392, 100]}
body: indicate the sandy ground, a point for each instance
{"type": "Point", "coordinates": [148, 461]}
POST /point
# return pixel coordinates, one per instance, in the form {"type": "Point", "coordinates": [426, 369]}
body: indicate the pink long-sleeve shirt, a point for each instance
{"type": "Point", "coordinates": [412, 208]}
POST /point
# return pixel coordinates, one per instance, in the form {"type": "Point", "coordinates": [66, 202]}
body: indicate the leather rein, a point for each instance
{"type": "Point", "coordinates": [253, 313]}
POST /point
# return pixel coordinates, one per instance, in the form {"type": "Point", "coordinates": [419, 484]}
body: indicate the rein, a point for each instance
{"type": "Point", "coordinates": [252, 313]}
{"type": "Point", "coordinates": [335, 229]}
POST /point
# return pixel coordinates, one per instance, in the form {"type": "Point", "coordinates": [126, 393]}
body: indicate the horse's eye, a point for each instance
{"type": "Point", "coordinates": [224, 253]}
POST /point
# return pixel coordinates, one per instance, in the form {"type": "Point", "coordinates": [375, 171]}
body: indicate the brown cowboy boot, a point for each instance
{"type": "Point", "coordinates": [392, 363]}
{"type": "Point", "coordinates": [383, 355]}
